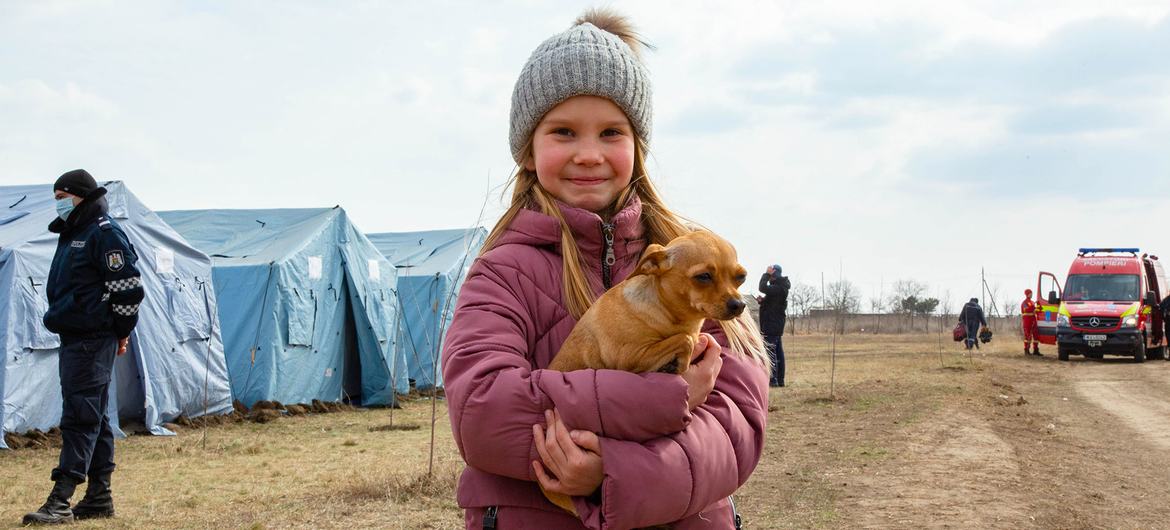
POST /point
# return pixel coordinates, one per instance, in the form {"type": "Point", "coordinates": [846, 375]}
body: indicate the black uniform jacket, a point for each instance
{"type": "Point", "coordinates": [94, 287]}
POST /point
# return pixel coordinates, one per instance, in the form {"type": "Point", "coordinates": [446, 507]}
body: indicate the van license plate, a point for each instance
{"type": "Point", "coordinates": [1094, 338]}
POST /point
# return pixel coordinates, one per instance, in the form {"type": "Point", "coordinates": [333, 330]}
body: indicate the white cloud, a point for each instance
{"type": "Point", "coordinates": [36, 98]}
{"type": "Point", "coordinates": [902, 138]}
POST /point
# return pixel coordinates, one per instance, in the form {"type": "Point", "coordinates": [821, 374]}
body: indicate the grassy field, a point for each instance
{"type": "Point", "coordinates": [338, 470]}
{"type": "Point", "coordinates": [909, 431]}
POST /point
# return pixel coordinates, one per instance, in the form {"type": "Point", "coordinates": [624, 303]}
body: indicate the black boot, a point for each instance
{"type": "Point", "coordinates": [55, 510]}
{"type": "Point", "coordinates": [98, 501]}
{"type": "Point", "coordinates": [1036, 350]}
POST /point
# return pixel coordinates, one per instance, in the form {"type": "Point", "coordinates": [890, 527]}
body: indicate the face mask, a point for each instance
{"type": "Point", "coordinates": [64, 208]}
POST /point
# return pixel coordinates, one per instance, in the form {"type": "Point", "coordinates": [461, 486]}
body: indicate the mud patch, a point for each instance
{"type": "Point", "coordinates": [826, 400]}
{"type": "Point", "coordinates": [395, 427]}
{"type": "Point", "coordinates": [34, 439]}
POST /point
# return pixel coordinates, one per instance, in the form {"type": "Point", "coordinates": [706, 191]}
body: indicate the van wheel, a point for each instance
{"type": "Point", "coordinates": [1139, 353]}
{"type": "Point", "coordinates": [1062, 353]}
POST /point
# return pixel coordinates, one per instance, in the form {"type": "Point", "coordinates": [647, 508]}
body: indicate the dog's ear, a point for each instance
{"type": "Point", "coordinates": [655, 260]}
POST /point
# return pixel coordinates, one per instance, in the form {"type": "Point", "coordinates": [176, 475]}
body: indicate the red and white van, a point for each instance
{"type": "Point", "coordinates": [1108, 306]}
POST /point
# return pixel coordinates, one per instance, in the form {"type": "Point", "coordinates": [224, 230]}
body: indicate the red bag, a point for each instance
{"type": "Point", "coordinates": [960, 332]}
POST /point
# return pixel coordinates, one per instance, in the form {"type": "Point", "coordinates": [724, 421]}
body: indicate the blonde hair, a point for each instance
{"type": "Point", "coordinates": [661, 223]}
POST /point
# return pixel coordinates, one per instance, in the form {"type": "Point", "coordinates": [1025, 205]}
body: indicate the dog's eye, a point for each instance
{"type": "Point", "coordinates": [703, 277]}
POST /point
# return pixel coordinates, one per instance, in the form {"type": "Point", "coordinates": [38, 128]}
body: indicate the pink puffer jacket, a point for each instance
{"type": "Point", "coordinates": [662, 463]}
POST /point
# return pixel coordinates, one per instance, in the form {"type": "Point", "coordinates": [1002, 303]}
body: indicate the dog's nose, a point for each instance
{"type": "Point", "coordinates": [735, 307]}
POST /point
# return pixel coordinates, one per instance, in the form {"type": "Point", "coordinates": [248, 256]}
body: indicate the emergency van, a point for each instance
{"type": "Point", "coordinates": [1108, 306]}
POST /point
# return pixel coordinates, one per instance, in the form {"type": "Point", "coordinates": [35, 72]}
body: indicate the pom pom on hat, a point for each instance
{"type": "Point", "coordinates": [598, 56]}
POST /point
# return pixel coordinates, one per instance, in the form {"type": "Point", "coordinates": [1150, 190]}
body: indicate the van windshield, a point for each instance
{"type": "Point", "coordinates": [1102, 288]}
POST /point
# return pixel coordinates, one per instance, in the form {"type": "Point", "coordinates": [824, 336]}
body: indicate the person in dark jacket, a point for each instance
{"type": "Point", "coordinates": [93, 291]}
{"type": "Point", "coordinates": [773, 308]}
{"type": "Point", "coordinates": [1165, 307]}
{"type": "Point", "coordinates": [972, 319]}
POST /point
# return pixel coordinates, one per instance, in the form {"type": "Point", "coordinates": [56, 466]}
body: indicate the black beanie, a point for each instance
{"type": "Point", "coordinates": [78, 182]}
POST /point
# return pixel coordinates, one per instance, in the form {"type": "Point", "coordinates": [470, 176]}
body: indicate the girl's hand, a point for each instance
{"type": "Point", "coordinates": [573, 458]}
{"type": "Point", "coordinates": [701, 375]}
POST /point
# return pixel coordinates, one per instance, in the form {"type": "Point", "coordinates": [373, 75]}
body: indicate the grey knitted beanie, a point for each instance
{"type": "Point", "coordinates": [583, 60]}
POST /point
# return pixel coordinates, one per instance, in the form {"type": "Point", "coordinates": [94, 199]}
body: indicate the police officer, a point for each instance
{"type": "Point", "coordinates": [94, 290]}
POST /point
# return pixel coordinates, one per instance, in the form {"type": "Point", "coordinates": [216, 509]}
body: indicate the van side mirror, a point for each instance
{"type": "Point", "coordinates": [1151, 299]}
{"type": "Point", "coordinates": [1052, 299]}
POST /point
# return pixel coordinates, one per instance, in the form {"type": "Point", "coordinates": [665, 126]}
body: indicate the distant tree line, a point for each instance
{"type": "Point", "coordinates": [910, 299]}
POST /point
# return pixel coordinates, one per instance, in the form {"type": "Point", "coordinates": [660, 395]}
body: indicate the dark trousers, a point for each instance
{"type": "Point", "coordinates": [775, 345]}
{"type": "Point", "coordinates": [87, 442]}
{"type": "Point", "coordinates": [973, 335]}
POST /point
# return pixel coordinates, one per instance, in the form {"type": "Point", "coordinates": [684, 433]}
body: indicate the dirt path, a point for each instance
{"type": "Point", "coordinates": [1136, 403]}
{"type": "Point", "coordinates": [994, 440]}
{"type": "Point", "coordinates": [1091, 442]}
{"type": "Point", "coordinates": [956, 472]}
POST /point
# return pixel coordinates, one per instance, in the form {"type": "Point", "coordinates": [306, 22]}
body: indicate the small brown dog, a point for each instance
{"type": "Point", "coordinates": [651, 321]}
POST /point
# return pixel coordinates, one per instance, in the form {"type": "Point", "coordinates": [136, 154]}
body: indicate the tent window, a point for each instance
{"type": "Point", "coordinates": [378, 312]}
{"type": "Point", "coordinates": [188, 311]}
{"type": "Point", "coordinates": [302, 316]}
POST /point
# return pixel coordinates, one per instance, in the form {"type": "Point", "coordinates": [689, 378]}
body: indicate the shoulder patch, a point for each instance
{"type": "Point", "coordinates": [115, 260]}
{"type": "Point", "coordinates": [105, 224]}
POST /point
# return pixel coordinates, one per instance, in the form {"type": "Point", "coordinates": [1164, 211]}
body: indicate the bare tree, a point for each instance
{"type": "Point", "coordinates": [992, 309]}
{"type": "Point", "coordinates": [945, 306]}
{"type": "Point", "coordinates": [877, 306]}
{"type": "Point", "coordinates": [1009, 308]}
{"type": "Point", "coordinates": [944, 312]}
{"type": "Point", "coordinates": [801, 297]}
{"type": "Point", "coordinates": [843, 297]}
{"type": "Point", "coordinates": [1009, 311]}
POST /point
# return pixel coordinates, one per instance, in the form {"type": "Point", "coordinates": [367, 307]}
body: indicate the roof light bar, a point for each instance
{"type": "Point", "coordinates": [1134, 250]}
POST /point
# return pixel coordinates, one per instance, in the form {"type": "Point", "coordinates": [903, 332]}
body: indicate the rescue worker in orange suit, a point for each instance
{"type": "Point", "coordinates": [1028, 313]}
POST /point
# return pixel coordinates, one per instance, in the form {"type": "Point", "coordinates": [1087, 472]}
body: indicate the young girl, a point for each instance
{"type": "Point", "coordinates": [632, 450]}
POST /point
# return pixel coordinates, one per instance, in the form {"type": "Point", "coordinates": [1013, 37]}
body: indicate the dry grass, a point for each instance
{"type": "Point", "coordinates": [352, 470]}
{"type": "Point", "coordinates": [397, 488]}
{"type": "Point", "coordinates": [314, 471]}
{"type": "Point", "coordinates": [825, 429]}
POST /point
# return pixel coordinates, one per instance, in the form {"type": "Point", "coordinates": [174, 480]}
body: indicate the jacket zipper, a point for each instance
{"type": "Point", "coordinates": [607, 257]}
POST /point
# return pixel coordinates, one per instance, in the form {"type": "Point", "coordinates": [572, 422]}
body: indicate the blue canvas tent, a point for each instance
{"type": "Point", "coordinates": [175, 364]}
{"type": "Point", "coordinates": [307, 304]}
{"type": "Point", "coordinates": [431, 267]}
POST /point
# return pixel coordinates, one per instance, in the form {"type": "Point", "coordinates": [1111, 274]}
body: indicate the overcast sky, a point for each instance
{"type": "Point", "coordinates": [874, 140]}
